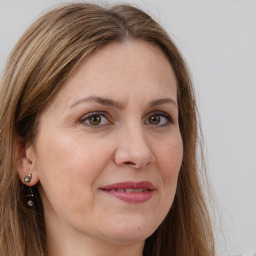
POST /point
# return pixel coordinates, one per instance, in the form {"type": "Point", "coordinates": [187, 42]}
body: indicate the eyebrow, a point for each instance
{"type": "Point", "coordinates": [119, 105]}
{"type": "Point", "coordinates": [100, 100]}
{"type": "Point", "coordinates": [163, 101]}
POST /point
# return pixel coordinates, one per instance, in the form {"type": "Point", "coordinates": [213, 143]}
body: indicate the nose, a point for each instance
{"type": "Point", "coordinates": [133, 150]}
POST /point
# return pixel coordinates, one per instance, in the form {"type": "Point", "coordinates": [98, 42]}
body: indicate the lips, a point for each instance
{"type": "Point", "coordinates": [131, 192]}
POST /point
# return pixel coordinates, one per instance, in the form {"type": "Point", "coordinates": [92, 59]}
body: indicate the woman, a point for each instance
{"type": "Point", "coordinates": [98, 140]}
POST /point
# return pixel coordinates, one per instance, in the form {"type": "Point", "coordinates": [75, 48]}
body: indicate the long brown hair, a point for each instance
{"type": "Point", "coordinates": [44, 57]}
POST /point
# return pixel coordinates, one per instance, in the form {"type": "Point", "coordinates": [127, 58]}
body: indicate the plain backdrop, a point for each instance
{"type": "Point", "coordinates": [218, 41]}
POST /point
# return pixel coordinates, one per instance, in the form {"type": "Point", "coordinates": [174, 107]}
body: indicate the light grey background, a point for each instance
{"type": "Point", "coordinates": [218, 40]}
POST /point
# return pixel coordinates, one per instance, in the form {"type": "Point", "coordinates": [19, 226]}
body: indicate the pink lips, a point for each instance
{"type": "Point", "coordinates": [131, 192]}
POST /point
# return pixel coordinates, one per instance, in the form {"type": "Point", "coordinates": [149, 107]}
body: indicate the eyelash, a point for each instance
{"type": "Point", "coordinates": [88, 117]}
{"type": "Point", "coordinates": [169, 119]}
{"type": "Point", "coordinates": [94, 114]}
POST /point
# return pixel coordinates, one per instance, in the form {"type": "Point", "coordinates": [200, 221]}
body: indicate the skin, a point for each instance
{"type": "Point", "coordinates": [75, 155]}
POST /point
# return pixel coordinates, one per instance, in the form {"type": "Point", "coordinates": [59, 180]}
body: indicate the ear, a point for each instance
{"type": "Point", "coordinates": [25, 162]}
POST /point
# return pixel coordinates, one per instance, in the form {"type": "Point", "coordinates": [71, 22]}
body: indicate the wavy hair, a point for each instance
{"type": "Point", "coordinates": [47, 53]}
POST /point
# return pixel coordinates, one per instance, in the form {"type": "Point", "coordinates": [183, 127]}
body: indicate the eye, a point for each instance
{"type": "Point", "coordinates": [96, 119]}
{"type": "Point", "coordinates": [159, 119]}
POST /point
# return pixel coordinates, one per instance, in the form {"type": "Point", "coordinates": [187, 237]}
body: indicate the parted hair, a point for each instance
{"type": "Point", "coordinates": [47, 53]}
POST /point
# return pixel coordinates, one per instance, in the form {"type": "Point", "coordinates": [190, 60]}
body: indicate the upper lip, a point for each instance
{"type": "Point", "coordinates": [130, 184]}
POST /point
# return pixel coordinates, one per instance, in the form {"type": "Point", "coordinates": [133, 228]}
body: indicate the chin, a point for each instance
{"type": "Point", "coordinates": [126, 234]}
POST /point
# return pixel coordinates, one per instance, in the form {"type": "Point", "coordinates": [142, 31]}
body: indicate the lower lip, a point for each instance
{"type": "Point", "coordinates": [131, 197]}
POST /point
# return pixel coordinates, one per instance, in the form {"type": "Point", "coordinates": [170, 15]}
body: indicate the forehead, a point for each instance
{"type": "Point", "coordinates": [122, 70]}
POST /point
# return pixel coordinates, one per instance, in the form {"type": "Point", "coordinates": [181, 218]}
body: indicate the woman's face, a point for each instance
{"type": "Point", "coordinates": [109, 149]}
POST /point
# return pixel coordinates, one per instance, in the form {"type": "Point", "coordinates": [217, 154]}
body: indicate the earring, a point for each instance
{"type": "Point", "coordinates": [30, 197]}
{"type": "Point", "coordinates": [28, 178]}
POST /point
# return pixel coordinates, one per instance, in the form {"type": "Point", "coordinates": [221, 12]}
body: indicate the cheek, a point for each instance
{"type": "Point", "coordinates": [70, 157]}
{"type": "Point", "coordinates": [69, 166]}
{"type": "Point", "coordinates": [67, 173]}
{"type": "Point", "coordinates": [169, 156]}
{"type": "Point", "coordinates": [169, 160]}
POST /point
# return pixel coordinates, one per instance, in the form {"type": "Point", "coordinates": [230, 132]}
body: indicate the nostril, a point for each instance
{"type": "Point", "coordinates": [129, 163]}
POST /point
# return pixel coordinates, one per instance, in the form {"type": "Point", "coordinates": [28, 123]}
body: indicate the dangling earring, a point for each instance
{"type": "Point", "coordinates": [30, 197]}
